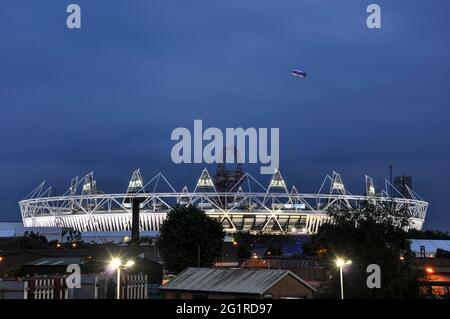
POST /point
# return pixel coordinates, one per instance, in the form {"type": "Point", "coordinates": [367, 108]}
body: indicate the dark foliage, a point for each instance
{"type": "Point", "coordinates": [370, 235]}
{"type": "Point", "coordinates": [182, 233]}
{"type": "Point", "coordinates": [273, 251]}
{"type": "Point", "coordinates": [244, 245]}
{"type": "Point", "coordinates": [442, 253]}
{"type": "Point", "coordinates": [428, 234]}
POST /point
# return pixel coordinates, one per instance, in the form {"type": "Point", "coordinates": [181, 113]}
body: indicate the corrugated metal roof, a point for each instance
{"type": "Point", "coordinates": [228, 280]}
{"type": "Point", "coordinates": [62, 261]}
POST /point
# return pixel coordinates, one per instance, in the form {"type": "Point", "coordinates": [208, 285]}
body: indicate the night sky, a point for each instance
{"type": "Point", "coordinates": [107, 97]}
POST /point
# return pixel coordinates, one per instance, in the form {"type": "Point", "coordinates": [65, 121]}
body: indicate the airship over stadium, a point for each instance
{"type": "Point", "coordinates": [235, 198]}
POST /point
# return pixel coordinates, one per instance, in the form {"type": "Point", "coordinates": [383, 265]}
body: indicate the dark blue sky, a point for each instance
{"type": "Point", "coordinates": [106, 98]}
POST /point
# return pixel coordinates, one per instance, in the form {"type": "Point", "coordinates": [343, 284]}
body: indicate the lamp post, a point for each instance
{"type": "Point", "coordinates": [117, 264]}
{"type": "Point", "coordinates": [341, 263]}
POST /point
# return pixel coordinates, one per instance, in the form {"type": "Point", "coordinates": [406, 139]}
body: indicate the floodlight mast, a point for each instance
{"type": "Point", "coordinates": [136, 185]}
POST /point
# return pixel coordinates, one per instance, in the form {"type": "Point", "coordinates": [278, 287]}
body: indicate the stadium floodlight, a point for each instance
{"type": "Point", "coordinates": [205, 180]}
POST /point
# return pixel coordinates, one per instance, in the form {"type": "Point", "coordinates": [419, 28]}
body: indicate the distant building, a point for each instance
{"type": "Point", "coordinates": [435, 281]}
{"type": "Point", "coordinates": [45, 278]}
{"type": "Point", "coordinates": [433, 262]}
{"type": "Point", "coordinates": [401, 183]}
{"type": "Point", "coordinates": [213, 283]}
{"type": "Point", "coordinates": [12, 261]}
{"type": "Point", "coordinates": [112, 237]}
{"type": "Point", "coordinates": [427, 248]}
{"type": "Point", "coordinates": [17, 229]}
{"type": "Point", "coordinates": [312, 271]}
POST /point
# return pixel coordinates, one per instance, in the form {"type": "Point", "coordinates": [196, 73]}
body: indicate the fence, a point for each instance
{"type": "Point", "coordinates": [45, 288]}
{"type": "Point", "coordinates": [92, 287]}
{"type": "Point", "coordinates": [134, 287]}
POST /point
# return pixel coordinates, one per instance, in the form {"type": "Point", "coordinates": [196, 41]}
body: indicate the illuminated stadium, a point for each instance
{"type": "Point", "coordinates": [238, 200]}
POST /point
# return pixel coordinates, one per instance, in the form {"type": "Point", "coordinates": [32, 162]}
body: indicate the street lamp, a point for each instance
{"type": "Point", "coordinates": [429, 270]}
{"type": "Point", "coordinates": [117, 264]}
{"type": "Point", "coordinates": [341, 263]}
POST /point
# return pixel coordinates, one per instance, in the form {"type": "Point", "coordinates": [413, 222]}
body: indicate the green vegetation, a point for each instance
{"type": "Point", "coordinates": [371, 235]}
{"type": "Point", "coordinates": [186, 233]}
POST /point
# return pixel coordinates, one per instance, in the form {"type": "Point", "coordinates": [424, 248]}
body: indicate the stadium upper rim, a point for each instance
{"type": "Point", "coordinates": [248, 207]}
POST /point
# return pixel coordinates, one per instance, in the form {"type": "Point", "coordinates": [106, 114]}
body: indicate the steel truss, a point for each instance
{"type": "Point", "coordinates": [271, 210]}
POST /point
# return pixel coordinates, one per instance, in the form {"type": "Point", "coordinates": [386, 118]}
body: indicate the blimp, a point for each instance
{"type": "Point", "coordinates": [298, 73]}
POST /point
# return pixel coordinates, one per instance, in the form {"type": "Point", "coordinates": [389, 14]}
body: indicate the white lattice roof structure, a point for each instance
{"type": "Point", "coordinates": [252, 207]}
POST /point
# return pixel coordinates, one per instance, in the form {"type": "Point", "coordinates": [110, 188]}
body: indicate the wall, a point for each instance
{"type": "Point", "coordinates": [289, 287]}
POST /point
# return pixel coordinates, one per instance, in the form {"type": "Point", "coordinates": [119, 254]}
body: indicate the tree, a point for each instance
{"type": "Point", "coordinates": [373, 234]}
{"type": "Point", "coordinates": [74, 236]}
{"type": "Point", "coordinates": [185, 232]}
{"type": "Point", "coordinates": [428, 234]}
{"type": "Point", "coordinates": [442, 253]}
{"type": "Point", "coordinates": [31, 240]}
{"type": "Point", "coordinates": [35, 236]}
{"type": "Point", "coordinates": [244, 245]}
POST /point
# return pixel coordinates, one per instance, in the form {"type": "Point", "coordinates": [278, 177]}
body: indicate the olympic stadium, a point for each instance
{"type": "Point", "coordinates": [237, 200]}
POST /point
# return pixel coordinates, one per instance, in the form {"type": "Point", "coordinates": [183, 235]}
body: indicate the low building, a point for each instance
{"type": "Point", "coordinates": [214, 283]}
{"type": "Point", "coordinates": [312, 271]}
{"type": "Point", "coordinates": [113, 236]}
{"type": "Point", "coordinates": [11, 262]}
{"type": "Point", "coordinates": [435, 281]}
{"type": "Point", "coordinates": [50, 265]}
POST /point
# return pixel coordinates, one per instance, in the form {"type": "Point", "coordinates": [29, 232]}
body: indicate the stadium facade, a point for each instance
{"type": "Point", "coordinates": [247, 206]}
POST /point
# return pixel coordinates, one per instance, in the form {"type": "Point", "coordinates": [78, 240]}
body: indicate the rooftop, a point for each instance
{"type": "Point", "coordinates": [229, 280]}
{"type": "Point", "coordinates": [54, 261]}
